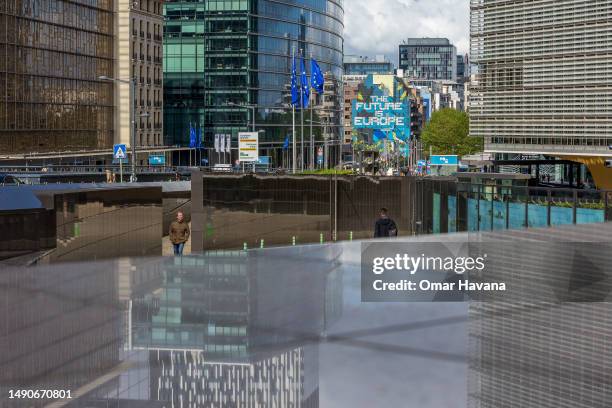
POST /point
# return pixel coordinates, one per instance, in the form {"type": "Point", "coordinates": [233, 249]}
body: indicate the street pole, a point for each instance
{"type": "Point", "coordinates": [326, 150]}
{"type": "Point", "coordinates": [133, 109]}
{"type": "Point", "coordinates": [312, 147]}
{"type": "Point", "coordinates": [302, 138]}
{"type": "Point", "coordinates": [302, 119]}
{"type": "Point", "coordinates": [253, 108]}
{"type": "Point", "coordinates": [294, 163]}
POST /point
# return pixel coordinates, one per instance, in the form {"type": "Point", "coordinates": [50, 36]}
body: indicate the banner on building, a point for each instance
{"type": "Point", "coordinates": [383, 107]}
{"type": "Point", "coordinates": [222, 143]}
{"type": "Point", "coordinates": [228, 143]}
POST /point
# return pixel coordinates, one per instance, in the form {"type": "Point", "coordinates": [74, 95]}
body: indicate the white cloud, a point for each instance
{"type": "Point", "coordinates": [378, 26]}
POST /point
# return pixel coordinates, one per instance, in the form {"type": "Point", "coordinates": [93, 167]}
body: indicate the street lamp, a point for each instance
{"type": "Point", "coordinates": [252, 107]}
{"type": "Point", "coordinates": [132, 83]}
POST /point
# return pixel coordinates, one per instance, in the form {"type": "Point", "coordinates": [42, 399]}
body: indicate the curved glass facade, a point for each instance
{"type": "Point", "coordinates": [222, 53]}
{"type": "Point", "coordinates": [51, 54]}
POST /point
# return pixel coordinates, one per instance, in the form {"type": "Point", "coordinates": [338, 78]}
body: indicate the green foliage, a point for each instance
{"type": "Point", "coordinates": [448, 133]}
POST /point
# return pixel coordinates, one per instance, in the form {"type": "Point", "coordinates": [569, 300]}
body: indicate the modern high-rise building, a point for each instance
{"type": "Point", "coordinates": [227, 68]}
{"type": "Point", "coordinates": [543, 82]}
{"type": "Point", "coordinates": [358, 65]}
{"type": "Point", "coordinates": [51, 54]}
{"type": "Point", "coordinates": [139, 28]}
{"type": "Point", "coordinates": [428, 58]}
{"type": "Point", "coordinates": [463, 67]}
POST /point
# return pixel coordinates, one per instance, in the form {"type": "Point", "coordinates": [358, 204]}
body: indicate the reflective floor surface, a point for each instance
{"type": "Point", "coordinates": [273, 328]}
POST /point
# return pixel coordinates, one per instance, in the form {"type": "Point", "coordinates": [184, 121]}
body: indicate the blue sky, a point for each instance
{"type": "Point", "coordinates": [378, 26]}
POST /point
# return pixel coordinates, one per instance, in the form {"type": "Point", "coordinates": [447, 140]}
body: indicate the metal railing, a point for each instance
{"type": "Point", "coordinates": [83, 169]}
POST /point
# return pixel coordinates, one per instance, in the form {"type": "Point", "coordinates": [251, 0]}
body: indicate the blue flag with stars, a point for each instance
{"type": "Point", "coordinates": [193, 142]}
{"type": "Point", "coordinates": [305, 86]}
{"type": "Point", "coordinates": [295, 92]}
{"type": "Point", "coordinates": [317, 80]}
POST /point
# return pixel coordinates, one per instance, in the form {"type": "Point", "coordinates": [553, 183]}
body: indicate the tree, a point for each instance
{"type": "Point", "coordinates": [448, 133]}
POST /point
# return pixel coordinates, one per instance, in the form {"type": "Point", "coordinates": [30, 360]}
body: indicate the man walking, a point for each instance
{"type": "Point", "coordinates": [385, 227]}
{"type": "Point", "coordinates": [179, 233]}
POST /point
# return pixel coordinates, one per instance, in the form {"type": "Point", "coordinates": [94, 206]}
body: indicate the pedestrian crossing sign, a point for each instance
{"type": "Point", "coordinates": [119, 152]}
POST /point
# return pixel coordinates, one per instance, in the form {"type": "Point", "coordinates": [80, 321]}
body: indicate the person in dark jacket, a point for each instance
{"type": "Point", "coordinates": [179, 233]}
{"type": "Point", "coordinates": [385, 227]}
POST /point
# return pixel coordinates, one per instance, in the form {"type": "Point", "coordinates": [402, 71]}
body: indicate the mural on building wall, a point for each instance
{"type": "Point", "coordinates": [382, 109]}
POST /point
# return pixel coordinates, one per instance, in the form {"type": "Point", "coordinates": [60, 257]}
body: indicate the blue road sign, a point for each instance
{"type": "Point", "coordinates": [444, 161]}
{"type": "Point", "coordinates": [157, 160]}
{"type": "Point", "coordinates": [119, 152]}
{"type": "Point", "coordinates": [264, 160]}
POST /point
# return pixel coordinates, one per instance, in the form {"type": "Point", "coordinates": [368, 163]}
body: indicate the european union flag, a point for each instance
{"type": "Point", "coordinates": [317, 80]}
{"type": "Point", "coordinates": [379, 135]}
{"type": "Point", "coordinates": [286, 145]}
{"type": "Point", "coordinates": [295, 92]}
{"type": "Point", "coordinates": [305, 86]}
{"type": "Point", "coordinates": [200, 141]}
{"type": "Point", "coordinates": [193, 143]}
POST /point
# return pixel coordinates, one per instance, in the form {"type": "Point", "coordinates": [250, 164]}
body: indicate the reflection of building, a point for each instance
{"type": "Point", "coordinates": [354, 65]}
{"type": "Point", "coordinates": [277, 380]}
{"type": "Point", "coordinates": [52, 58]}
{"type": "Point", "coordinates": [93, 223]}
{"type": "Point", "coordinates": [428, 58]}
{"type": "Point", "coordinates": [546, 345]}
{"type": "Point", "coordinates": [541, 81]}
{"type": "Point", "coordinates": [59, 328]}
{"type": "Point", "coordinates": [52, 100]}
{"type": "Point", "coordinates": [240, 51]}
{"type": "Point", "coordinates": [235, 330]}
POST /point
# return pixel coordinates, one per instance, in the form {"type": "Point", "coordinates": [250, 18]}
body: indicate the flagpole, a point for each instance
{"type": "Point", "coordinates": [294, 161]}
{"type": "Point", "coordinates": [302, 115]}
{"type": "Point", "coordinates": [312, 148]}
{"type": "Point", "coordinates": [294, 154]}
{"type": "Point", "coordinates": [302, 139]}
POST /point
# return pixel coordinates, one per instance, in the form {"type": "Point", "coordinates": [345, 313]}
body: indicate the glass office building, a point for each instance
{"type": "Point", "coordinates": [221, 54]}
{"type": "Point", "coordinates": [354, 65]}
{"type": "Point", "coordinates": [428, 58]}
{"type": "Point", "coordinates": [51, 54]}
